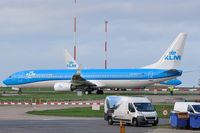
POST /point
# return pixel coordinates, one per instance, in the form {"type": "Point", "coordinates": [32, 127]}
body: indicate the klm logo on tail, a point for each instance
{"type": "Point", "coordinates": [173, 56]}
{"type": "Point", "coordinates": [71, 64]}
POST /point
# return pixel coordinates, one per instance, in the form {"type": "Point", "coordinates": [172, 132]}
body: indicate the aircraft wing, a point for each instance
{"type": "Point", "coordinates": [78, 82]}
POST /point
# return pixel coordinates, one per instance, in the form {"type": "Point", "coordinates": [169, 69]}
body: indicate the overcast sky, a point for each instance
{"type": "Point", "coordinates": [34, 33]}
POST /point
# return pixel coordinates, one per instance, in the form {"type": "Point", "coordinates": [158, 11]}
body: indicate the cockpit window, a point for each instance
{"type": "Point", "coordinates": [10, 76]}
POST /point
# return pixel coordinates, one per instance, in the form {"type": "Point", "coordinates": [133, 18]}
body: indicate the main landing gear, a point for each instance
{"type": "Point", "coordinates": [87, 92]}
{"type": "Point", "coordinates": [99, 92]}
{"type": "Point", "coordinates": [19, 91]}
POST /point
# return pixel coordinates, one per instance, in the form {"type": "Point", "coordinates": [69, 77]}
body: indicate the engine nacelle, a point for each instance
{"type": "Point", "coordinates": [15, 89]}
{"type": "Point", "coordinates": [62, 86]}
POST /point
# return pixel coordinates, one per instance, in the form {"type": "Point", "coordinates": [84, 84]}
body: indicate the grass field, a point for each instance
{"type": "Point", "coordinates": [160, 108]}
{"type": "Point", "coordinates": [88, 112]}
{"type": "Point", "coordinates": [50, 96]}
{"type": "Point", "coordinates": [47, 95]}
{"type": "Point", "coordinates": [73, 112]}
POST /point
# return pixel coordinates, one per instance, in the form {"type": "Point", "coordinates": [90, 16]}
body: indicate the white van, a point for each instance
{"type": "Point", "coordinates": [133, 110]}
{"type": "Point", "coordinates": [191, 107]}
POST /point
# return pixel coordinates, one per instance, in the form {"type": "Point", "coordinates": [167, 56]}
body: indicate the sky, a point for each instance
{"type": "Point", "coordinates": [34, 33]}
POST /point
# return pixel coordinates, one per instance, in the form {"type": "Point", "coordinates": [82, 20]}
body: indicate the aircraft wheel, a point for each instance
{"type": "Point", "coordinates": [100, 92]}
{"type": "Point", "coordinates": [19, 91]}
{"type": "Point", "coordinates": [88, 92]}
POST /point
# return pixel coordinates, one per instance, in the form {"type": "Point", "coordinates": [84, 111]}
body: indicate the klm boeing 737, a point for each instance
{"type": "Point", "coordinates": [72, 64]}
{"type": "Point", "coordinates": [88, 80]}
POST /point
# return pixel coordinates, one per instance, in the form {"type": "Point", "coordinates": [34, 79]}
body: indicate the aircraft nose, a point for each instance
{"type": "Point", "coordinates": [5, 81]}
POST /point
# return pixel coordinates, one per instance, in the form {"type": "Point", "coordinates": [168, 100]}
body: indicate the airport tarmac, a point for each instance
{"type": "Point", "coordinates": [64, 126]}
{"type": "Point", "coordinates": [13, 119]}
{"type": "Point", "coordinates": [18, 112]}
{"type": "Point", "coordinates": [171, 99]}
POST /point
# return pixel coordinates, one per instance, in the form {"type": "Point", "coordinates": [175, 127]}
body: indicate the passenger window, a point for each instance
{"type": "Point", "coordinates": [190, 109]}
{"type": "Point", "coordinates": [130, 107]}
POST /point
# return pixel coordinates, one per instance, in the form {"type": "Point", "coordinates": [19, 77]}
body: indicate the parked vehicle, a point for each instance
{"type": "Point", "coordinates": [133, 110]}
{"type": "Point", "coordinates": [190, 107]}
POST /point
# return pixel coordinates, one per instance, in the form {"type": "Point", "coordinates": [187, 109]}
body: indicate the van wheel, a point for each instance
{"type": "Point", "coordinates": [134, 122]}
{"type": "Point", "coordinates": [110, 121]}
{"type": "Point", "coordinates": [154, 124]}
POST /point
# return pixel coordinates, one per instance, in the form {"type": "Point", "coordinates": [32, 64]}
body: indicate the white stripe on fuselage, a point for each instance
{"type": "Point", "coordinates": [99, 83]}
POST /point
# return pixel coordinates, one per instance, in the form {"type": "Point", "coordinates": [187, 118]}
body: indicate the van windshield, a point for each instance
{"type": "Point", "coordinates": [196, 108]}
{"type": "Point", "coordinates": [144, 107]}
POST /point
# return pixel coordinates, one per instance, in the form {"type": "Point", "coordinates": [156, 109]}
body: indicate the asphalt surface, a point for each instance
{"type": "Point", "coordinates": [13, 119]}
{"type": "Point", "coordinates": [64, 126]}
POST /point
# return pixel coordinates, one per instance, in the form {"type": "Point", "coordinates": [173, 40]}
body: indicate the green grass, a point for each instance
{"type": "Point", "coordinates": [160, 108]}
{"type": "Point", "coordinates": [50, 96]}
{"type": "Point", "coordinates": [47, 95]}
{"type": "Point", "coordinates": [88, 112]}
{"type": "Point", "coordinates": [73, 112]}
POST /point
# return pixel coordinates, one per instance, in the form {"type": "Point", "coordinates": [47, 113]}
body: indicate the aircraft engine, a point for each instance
{"type": "Point", "coordinates": [62, 86]}
{"type": "Point", "coordinates": [15, 89]}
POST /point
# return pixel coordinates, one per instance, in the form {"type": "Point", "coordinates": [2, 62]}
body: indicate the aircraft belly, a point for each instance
{"type": "Point", "coordinates": [42, 84]}
{"type": "Point", "coordinates": [124, 83]}
{"type": "Point", "coordinates": [131, 83]}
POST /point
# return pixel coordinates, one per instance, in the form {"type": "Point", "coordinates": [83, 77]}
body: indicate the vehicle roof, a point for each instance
{"type": "Point", "coordinates": [131, 99]}
{"type": "Point", "coordinates": [187, 103]}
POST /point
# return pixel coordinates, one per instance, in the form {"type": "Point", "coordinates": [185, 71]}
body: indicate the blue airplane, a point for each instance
{"type": "Point", "coordinates": [72, 64]}
{"type": "Point", "coordinates": [88, 80]}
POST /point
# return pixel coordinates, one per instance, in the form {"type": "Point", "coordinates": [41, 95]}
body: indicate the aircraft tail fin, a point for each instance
{"type": "Point", "coordinates": [70, 62]}
{"type": "Point", "coordinates": [171, 59]}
